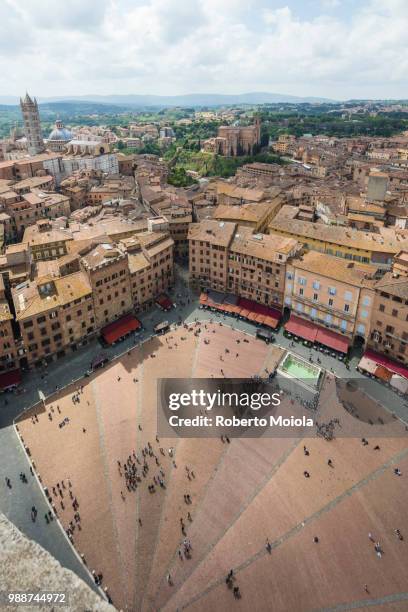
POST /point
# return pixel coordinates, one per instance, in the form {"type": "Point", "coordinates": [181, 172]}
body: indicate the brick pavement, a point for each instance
{"type": "Point", "coordinates": [302, 575]}
{"type": "Point", "coordinates": [242, 492]}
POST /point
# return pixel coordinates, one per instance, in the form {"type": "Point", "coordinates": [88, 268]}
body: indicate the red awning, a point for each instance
{"type": "Point", "coordinates": [10, 379]}
{"type": "Point", "coordinates": [248, 309]}
{"type": "Point", "coordinates": [223, 307]}
{"type": "Point", "coordinates": [120, 328]}
{"type": "Point", "coordinates": [164, 301]}
{"type": "Point", "coordinates": [233, 309]}
{"type": "Point", "coordinates": [260, 309]}
{"type": "Point", "coordinates": [388, 363]}
{"type": "Point", "coordinates": [302, 328]}
{"type": "Point", "coordinates": [270, 322]}
{"type": "Point", "coordinates": [244, 313]}
{"type": "Point", "coordinates": [332, 340]}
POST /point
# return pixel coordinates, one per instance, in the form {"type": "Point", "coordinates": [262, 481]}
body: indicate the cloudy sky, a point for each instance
{"type": "Point", "coordinates": [333, 48]}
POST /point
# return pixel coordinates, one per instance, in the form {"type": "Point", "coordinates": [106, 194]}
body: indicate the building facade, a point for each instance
{"type": "Point", "coordinates": [257, 266]}
{"type": "Point", "coordinates": [45, 242]}
{"type": "Point", "coordinates": [233, 141]}
{"type": "Point", "coordinates": [55, 315]}
{"type": "Point", "coordinates": [332, 293]}
{"type": "Point", "coordinates": [389, 329]}
{"type": "Point", "coordinates": [108, 272]}
{"type": "Point", "coordinates": [59, 312]}
{"type": "Point", "coordinates": [8, 350]}
{"type": "Point", "coordinates": [231, 258]}
{"type": "Point", "coordinates": [150, 259]}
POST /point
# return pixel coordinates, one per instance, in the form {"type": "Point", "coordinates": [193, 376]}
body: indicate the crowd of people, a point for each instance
{"type": "Point", "coordinates": [144, 469]}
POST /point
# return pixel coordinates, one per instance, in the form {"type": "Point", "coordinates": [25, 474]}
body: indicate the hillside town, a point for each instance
{"type": "Point", "coordinates": [90, 237]}
{"type": "Point", "coordinates": [126, 274]}
{"type": "Point", "coordinates": [203, 306]}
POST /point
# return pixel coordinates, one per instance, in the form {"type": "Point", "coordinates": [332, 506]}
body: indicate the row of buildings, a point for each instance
{"type": "Point", "coordinates": [363, 304]}
{"type": "Point", "coordinates": [79, 155]}
{"type": "Point", "coordinates": [60, 287]}
{"type": "Point", "coordinates": [321, 240]}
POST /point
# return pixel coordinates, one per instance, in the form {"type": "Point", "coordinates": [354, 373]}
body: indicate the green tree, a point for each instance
{"type": "Point", "coordinates": [179, 178]}
{"type": "Point", "coordinates": [151, 148]}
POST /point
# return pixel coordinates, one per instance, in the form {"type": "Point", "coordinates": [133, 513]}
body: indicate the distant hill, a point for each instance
{"type": "Point", "coordinates": [71, 107]}
{"type": "Point", "coordinates": [182, 100]}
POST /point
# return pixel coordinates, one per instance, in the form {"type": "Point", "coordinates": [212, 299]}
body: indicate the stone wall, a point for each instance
{"type": "Point", "coordinates": [26, 566]}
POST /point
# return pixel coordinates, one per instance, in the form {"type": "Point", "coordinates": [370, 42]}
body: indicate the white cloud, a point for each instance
{"type": "Point", "coordinates": [329, 4]}
{"type": "Point", "coordinates": [279, 17]}
{"type": "Point", "coordinates": [68, 15]}
{"type": "Point", "coordinates": [177, 46]}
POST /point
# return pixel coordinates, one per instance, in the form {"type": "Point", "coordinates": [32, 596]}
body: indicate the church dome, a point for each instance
{"type": "Point", "coordinates": [60, 132]}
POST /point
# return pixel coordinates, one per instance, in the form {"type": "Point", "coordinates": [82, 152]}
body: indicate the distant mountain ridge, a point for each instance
{"type": "Point", "coordinates": [180, 100]}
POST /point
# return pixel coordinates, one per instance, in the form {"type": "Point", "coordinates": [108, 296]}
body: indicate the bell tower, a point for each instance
{"type": "Point", "coordinates": [32, 125]}
{"type": "Point", "coordinates": [258, 129]}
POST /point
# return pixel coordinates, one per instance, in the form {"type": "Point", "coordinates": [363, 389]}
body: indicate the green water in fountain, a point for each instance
{"type": "Point", "coordinates": [299, 369]}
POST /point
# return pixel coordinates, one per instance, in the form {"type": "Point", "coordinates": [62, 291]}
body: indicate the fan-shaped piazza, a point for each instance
{"type": "Point", "coordinates": [242, 493]}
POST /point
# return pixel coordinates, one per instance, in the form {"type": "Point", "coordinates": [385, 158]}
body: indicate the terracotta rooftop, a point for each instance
{"type": "Point", "coordinates": [360, 205]}
{"type": "Point", "coordinates": [29, 160]}
{"type": "Point", "coordinates": [28, 301]}
{"type": "Point", "coordinates": [8, 194]}
{"type": "Point", "coordinates": [394, 285]}
{"type": "Point", "coordinates": [101, 254]}
{"type": "Point", "coordinates": [336, 235]}
{"type": "Point", "coordinates": [34, 236]}
{"type": "Point", "coordinates": [261, 246]}
{"type": "Point", "coordinates": [232, 191]}
{"type": "Point", "coordinates": [214, 232]}
{"type": "Point", "coordinates": [32, 198]}
{"type": "Point", "coordinates": [48, 198]}
{"type": "Point", "coordinates": [106, 226]}
{"type": "Point", "coordinates": [32, 182]}
{"type": "Point", "coordinates": [48, 268]}
{"type": "Point", "coordinates": [337, 268]}
{"type": "Point", "coordinates": [365, 219]}
{"type": "Point", "coordinates": [253, 212]}
{"type": "Point", "coordinates": [154, 243]}
{"type": "Point", "coordinates": [137, 262]}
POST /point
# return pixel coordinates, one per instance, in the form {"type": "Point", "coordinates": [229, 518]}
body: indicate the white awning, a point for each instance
{"type": "Point", "coordinates": [399, 382]}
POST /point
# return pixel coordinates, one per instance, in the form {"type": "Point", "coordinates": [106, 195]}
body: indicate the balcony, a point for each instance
{"type": "Point", "coordinates": [319, 306]}
{"type": "Point", "coordinates": [395, 337]}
